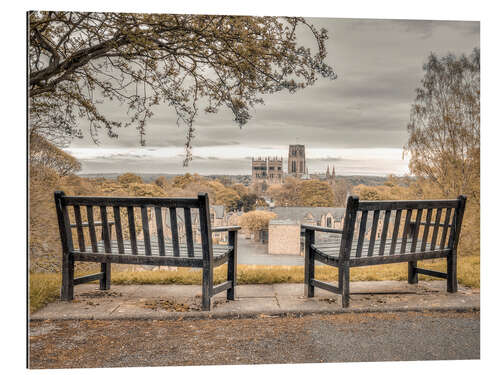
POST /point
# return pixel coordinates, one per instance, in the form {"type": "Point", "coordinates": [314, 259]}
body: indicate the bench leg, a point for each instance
{"type": "Point", "coordinates": [232, 264]}
{"type": "Point", "coordinates": [68, 274]}
{"type": "Point", "coordinates": [344, 285]}
{"type": "Point", "coordinates": [105, 282]}
{"type": "Point", "coordinates": [308, 265]}
{"type": "Point", "coordinates": [207, 285]}
{"type": "Point", "coordinates": [412, 272]}
{"type": "Point", "coordinates": [451, 280]}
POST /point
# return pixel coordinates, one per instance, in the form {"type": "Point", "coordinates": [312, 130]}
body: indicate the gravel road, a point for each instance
{"type": "Point", "coordinates": [308, 339]}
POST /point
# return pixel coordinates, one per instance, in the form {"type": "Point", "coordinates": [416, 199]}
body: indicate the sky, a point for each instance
{"type": "Point", "coordinates": [356, 123]}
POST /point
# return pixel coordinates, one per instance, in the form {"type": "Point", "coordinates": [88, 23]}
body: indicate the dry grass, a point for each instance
{"type": "Point", "coordinates": [44, 288]}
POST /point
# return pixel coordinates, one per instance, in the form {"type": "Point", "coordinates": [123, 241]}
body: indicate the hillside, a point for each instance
{"type": "Point", "coordinates": [245, 179]}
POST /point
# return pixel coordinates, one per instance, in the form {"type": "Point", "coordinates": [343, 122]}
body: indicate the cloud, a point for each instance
{"type": "Point", "coordinates": [379, 66]}
{"type": "Point", "coordinates": [328, 158]}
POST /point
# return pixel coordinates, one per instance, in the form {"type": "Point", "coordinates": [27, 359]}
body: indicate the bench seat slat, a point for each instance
{"type": "Point", "coordinates": [331, 249]}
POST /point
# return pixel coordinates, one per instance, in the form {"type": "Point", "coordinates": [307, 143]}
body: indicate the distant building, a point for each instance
{"type": "Point", "coordinates": [297, 161]}
{"type": "Point", "coordinates": [284, 231]}
{"type": "Point", "coordinates": [326, 177]}
{"type": "Point", "coordinates": [267, 171]}
{"type": "Point", "coordinates": [330, 177]}
{"type": "Point", "coordinates": [284, 237]}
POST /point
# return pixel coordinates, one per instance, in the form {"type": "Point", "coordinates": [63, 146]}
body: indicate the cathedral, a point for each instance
{"type": "Point", "coordinates": [268, 171]}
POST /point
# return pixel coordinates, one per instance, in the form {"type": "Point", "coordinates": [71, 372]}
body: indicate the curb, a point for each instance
{"type": "Point", "coordinates": [199, 315]}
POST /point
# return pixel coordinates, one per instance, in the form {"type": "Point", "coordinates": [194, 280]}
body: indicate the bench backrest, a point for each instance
{"type": "Point", "coordinates": [125, 213]}
{"type": "Point", "coordinates": [379, 228]}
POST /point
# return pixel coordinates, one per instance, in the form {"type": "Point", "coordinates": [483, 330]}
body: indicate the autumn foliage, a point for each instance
{"type": "Point", "coordinates": [191, 63]}
{"type": "Point", "coordinates": [298, 193]}
{"type": "Point", "coordinates": [256, 220]}
{"type": "Point", "coordinates": [51, 174]}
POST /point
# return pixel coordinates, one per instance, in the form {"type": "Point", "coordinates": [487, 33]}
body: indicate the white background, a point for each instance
{"type": "Point", "coordinates": [13, 141]}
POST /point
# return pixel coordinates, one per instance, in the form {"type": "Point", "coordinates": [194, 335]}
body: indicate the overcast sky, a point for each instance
{"type": "Point", "coordinates": [356, 122]}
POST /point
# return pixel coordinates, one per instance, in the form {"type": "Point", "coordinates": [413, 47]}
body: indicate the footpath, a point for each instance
{"type": "Point", "coordinates": [171, 302]}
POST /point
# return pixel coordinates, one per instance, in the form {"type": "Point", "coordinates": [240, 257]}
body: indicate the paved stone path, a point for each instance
{"type": "Point", "coordinates": [251, 252]}
{"type": "Point", "coordinates": [176, 301]}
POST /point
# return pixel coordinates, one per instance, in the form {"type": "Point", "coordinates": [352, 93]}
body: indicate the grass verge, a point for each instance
{"type": "Point", "coordinates": [44, 288]}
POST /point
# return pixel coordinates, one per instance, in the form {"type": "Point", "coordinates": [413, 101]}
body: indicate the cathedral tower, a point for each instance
{"type": "Point", "coordinates": [297, 160]}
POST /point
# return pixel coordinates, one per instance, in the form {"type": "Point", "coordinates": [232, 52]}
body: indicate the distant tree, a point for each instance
{"type": "Point", "coordinates": [241, 189]}
{"type": "Point", "coordinates": [43, 153]}
{"type": "Point", "coordinates": [256, 220]}
{"type": "Point", "coordinates": [77, 60]}
{"type": "Point", "coordinates": [129, 178]}
{"type": "Point", "coordinates": [287, 194]}
{"type": "Point", "coordinates": [145, 190]}
{"type": "Point", "coordinates": [182, 181]}
{"type": "Point", "coordinates": [247, 202]}
{"type": "Point", "coordinates": [444, 137]}
{"type": "Point", "coordinates": [225, 180]}
{"type": "Point", "coordinates": [341, 189]}
{"type": "Point", "coordinates": [227, 197]}
{"type": "Point", "coordinates": [374, 193]}
{"type": "Point", "coordinates": [444, 127]}
{"type": "Point", "coordinates": [315, 193]}
{"type": "Point", "coordinates": [161, 182]}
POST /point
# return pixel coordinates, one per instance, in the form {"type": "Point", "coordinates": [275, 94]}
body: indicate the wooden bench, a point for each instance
{"type": "Point", "coordinates": [366, 240]}
{"type": "Point", "coordinates": [147, 246]}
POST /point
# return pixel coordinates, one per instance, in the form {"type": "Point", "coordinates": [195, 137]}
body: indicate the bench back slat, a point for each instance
{"type": "Point", "coordinates": [137, 232]}
{"type": "Point", "coordinates": [131, 201]}
{"type": "Point", "coordinates": [445, 228]}
{"type": "Point", "coordinates": [159, 230]}
{"type": "Point", "coordinates": [385, 228]}
{"type": "Point", "coordinates": [373, 233]}
{"type": "Point", "coordinates": [406, 231]}
{"type": "Point", "coordinates": [415, 231]}
{"type": "Point", "coordinates": [174, 230]}
{"type": "Point", "coordinates": [92, 234]}
{"type": "Point", "coordinates": [361, 234]}
{"type": "Point", "coordinates": [145, 230]}
{"type": "Point", "coordinates": [400, 227]}
{"type": "Point", "coordinates": [435, 228]}
{"type": "Point", "coordinates": [105, 229]}
{"type": "Point", "coordinates": [189, 231]}
{"type": "Point", "coordinates": [403, 205]}
{"type": "Point", "coordinates": [395, 232]}
{"type": "Point", "coordinates": [428, 219]}
{"type": "Point", "coordinates": [131, 227]}
{"type": "Point", "coordinates": [79, 228]}
{"type": "Point", "coordinates": [118, 229]}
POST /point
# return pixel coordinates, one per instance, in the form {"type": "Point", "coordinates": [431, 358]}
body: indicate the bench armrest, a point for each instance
{"type": "Point", "coordinates": [96, 224]}
{"type": "Point", "coordinates": [321, 229]}
{"type": "Point", "coordinates": [226, 229]}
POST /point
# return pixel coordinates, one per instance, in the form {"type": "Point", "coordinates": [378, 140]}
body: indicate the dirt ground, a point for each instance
{"type": "Point", "coordinates": [307, 339]}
